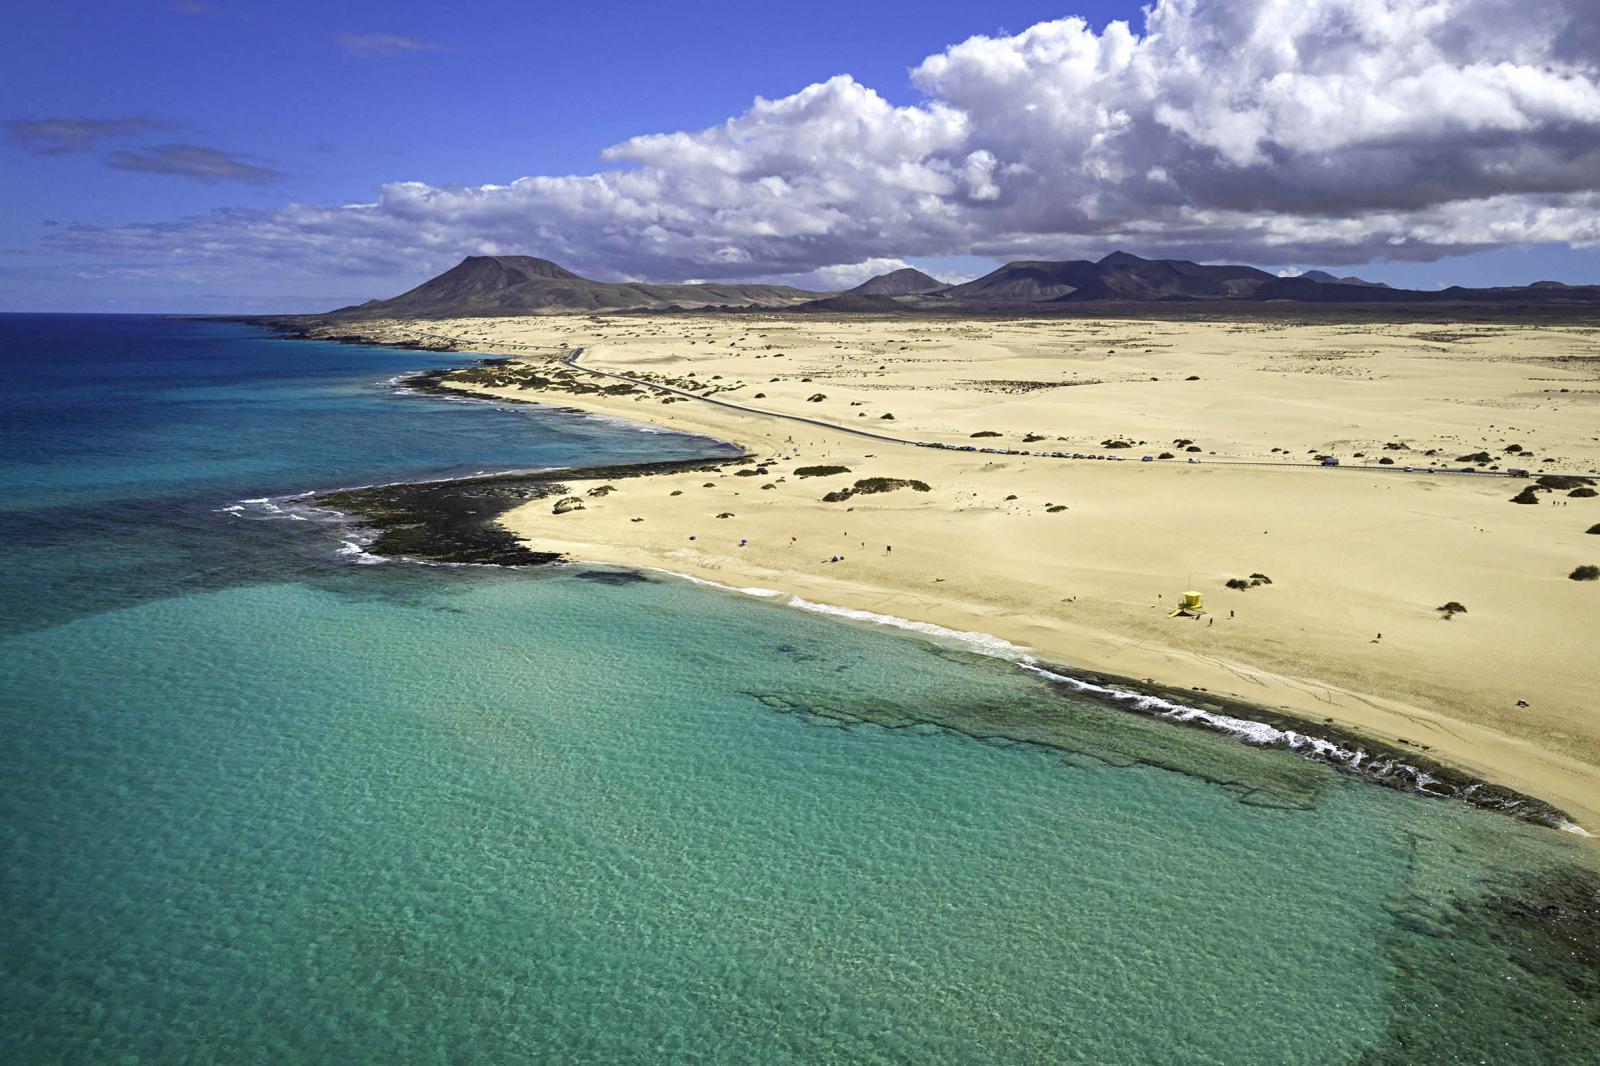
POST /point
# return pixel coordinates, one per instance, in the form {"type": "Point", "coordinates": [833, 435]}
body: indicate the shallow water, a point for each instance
{"type": "Point", "coordinates": [257, 802]}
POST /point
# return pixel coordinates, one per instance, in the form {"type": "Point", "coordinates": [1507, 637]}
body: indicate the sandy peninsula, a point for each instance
{"type": "Point", "coordinates": [1082, 560]}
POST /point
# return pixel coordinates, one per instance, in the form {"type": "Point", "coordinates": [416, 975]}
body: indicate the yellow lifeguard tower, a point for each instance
{"type": "Point", "coordinates": [1191, 607]}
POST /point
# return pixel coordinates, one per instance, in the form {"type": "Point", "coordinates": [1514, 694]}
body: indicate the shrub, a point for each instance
{"type": "Point", "coordinates": [816, 398]}
{"type": "Point", "coordinates": [820, 471]}
{"type": "Point", "coordinates": [1564, 481]}
{"type": "Point", "coordinates": [1260, 579]}
{"type": "Point", "coordinates": [1583, 493]}
{"type": "Point", "coordinates": [1585, 573]}
{"type": "Point", "coordinates": [986, 433]}
{"type": "Point", "coordinates": [1594, 529]}
{"type": "Point", "coordinates": [1166, 455]}
{"type": "Point", "coordinates": [1055, 508]}
{"type": "Point", "coordinates": [1475, 457]}
{"type": "Point", "coordinates": [1237, 583]}
{"type": "Point", "coordinates": [869, 485]}
{"type": "Point", "coordinates": [1451, 609]}
{"type": "Point", "coordinates": [1527, 495]}
{"type": "Point", "coordinates": [1116, 444]}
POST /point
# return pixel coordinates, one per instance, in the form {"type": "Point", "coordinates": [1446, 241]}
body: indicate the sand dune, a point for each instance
{"type": "Point", "coordinates": [1082, 560]}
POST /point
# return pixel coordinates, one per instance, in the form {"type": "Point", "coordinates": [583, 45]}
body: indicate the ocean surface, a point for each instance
{"type": "Point", "coordinates": [262, 802]}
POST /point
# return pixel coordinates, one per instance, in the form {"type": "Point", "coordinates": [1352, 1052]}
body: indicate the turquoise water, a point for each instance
{"type": "Point", "coordinates": [260, 804]}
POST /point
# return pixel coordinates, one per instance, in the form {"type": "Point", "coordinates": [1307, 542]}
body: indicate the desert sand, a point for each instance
{"type": "Point", "coordinates": [1081, 560]}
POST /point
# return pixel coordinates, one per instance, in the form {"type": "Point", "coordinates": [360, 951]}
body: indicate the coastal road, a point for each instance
{"type": "Point", "coordinates": [571, 360]}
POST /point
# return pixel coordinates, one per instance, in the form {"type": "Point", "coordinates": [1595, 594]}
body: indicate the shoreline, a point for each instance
{"type": "Point", "coordinates": [1376, 763]}
{"type": "Point", "coordinates": [428, 515]}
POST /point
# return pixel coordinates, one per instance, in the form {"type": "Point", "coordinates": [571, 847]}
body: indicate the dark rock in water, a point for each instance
{"type": "Point", "coordinates": [613, 577]}
{"type": "Point", "coordinates": [456, 521]}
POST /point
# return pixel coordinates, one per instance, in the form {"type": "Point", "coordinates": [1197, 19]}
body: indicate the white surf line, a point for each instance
{"type": "Point", "coordinates": [1247, 730]}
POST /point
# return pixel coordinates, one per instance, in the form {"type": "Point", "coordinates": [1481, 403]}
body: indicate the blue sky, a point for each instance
{"type": "Point", "coordinates": [226, 111]}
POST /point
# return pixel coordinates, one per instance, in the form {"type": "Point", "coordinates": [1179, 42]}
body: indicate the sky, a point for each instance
{"type": "Point", "coordinates": [238, 158]}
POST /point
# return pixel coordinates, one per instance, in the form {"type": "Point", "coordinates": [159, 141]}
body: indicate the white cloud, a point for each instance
{"type": "Point", "coordinates": [849, 275]}
{"type": "Point", "coordinates": [1275, 131]}
{"type": "Point", "coordinates": [383, 44]}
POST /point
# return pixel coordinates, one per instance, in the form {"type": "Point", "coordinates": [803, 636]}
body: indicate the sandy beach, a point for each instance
{"type": "Point", "coordinates": [1082, 560]}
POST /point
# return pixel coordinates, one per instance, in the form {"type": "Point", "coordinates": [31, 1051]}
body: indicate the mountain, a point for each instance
{"type": "Point", "coordinates": [1119, 276]}
{"type": "Point", "coordinates": [524, 285]}
{"type": "Point", "coordinates": [1122, 277]}
{"type": "Point", "coordinates": [1325, 278]}
{"type": "Point", "coordinates": [907, 281]}
{"type": "Point", "coordinates": [1027, 281]}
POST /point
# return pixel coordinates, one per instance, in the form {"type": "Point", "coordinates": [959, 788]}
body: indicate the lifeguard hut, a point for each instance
{"type": "Point", "coordinates": [1191, 607]}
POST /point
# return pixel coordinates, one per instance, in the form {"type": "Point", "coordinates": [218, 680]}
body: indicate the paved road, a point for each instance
{"type": "Point", "coordinates": [572, 361]}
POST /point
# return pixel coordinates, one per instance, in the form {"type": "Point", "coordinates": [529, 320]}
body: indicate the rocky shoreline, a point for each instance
{"type": "Point", "coordinates": [1404, 769]}
{"type": "Point", "coordinates": [456, 522]}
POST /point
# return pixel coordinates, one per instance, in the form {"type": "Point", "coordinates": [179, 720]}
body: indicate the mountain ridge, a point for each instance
{"type": "Point", "coordinates": [494, 285]}
{"type": "Point", "coordinates": [526, 285]}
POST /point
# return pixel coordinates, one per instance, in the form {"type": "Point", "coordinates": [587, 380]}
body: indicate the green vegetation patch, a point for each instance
{"type": "Point", "coordinates": [869, 486]}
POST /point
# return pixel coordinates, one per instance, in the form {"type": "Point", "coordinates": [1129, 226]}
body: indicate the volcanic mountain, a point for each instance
{"type": "Point", "coordinates": [1119, 276]}
{"type": "Point", "coordinates": [908, 281]}
{"type": "Point", "coordinates": [1328, 279]}
{"type": "Point", "coordinates": [524, 285]}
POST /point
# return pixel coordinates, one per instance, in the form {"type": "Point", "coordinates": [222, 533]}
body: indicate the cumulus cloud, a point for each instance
{"type": "Point", "coordinates": [192, 161]}
{"type": "Point", "coordinates": [1273, 131]}
{"type": "Point", "coordinates": [849, 275]}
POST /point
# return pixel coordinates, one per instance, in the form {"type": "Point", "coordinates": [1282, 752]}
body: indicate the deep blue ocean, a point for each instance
{"type": "Point", "coordinates": [260, 802]}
